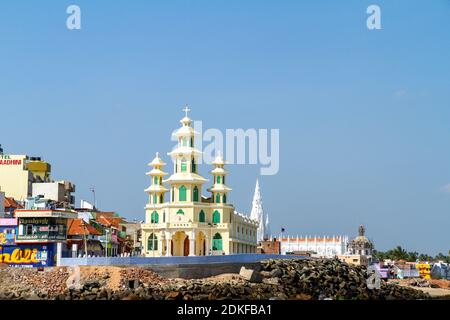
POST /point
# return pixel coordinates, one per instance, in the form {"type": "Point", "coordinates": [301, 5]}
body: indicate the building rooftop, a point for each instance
{"type": "Point", "coordinates": [79, 227]}
{"type": "Point", "coordinates": [12, 203]}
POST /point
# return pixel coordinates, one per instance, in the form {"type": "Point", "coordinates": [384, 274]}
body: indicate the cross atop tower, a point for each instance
{"type": "Point", "coordinates": [186, 110]}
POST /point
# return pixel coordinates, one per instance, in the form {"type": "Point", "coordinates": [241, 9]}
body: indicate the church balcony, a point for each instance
{"type": "Point", "coordinates": [185, 225]}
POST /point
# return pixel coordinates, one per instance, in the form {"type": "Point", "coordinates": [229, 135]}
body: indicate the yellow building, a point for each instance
{"type": "Point", "coordinates": [189, 223]}
{"type": "Point", "coordinates": [22, 177]}
{"type": "Point", "coordinates": [355, 259]}
{"type": "Point", "coordinates": [15, 178]}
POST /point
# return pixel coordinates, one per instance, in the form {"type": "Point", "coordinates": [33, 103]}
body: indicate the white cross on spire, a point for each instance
{"type": "Point", "coordinates": [186, 110]}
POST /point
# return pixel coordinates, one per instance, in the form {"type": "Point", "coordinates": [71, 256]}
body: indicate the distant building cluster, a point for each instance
{"type": "Point", "coordinates": [39, 222]}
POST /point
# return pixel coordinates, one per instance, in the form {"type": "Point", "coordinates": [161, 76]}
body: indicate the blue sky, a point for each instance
{"type": "Point", "coordinates": [364, 116]}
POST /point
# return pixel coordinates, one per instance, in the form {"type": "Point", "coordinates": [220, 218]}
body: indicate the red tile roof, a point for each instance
{"type": "Point", "coordinates": [11, 203]}
{"type": "Point", "coordinates": [79, 227]}
{"type": "Point", "coordinates": [109, 220]}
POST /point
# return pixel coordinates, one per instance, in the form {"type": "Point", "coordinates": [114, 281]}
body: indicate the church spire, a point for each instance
{"type": "Point", "coordinates": [185, 182]}
{"type": "Point", "coordinates": [257, 214]}
{"type": "Point", "coordinates": [157, 189]}
{"type": "Point", "coordinates": [267, 234]}
{"type": "Point", "coordinates": [219, 190]}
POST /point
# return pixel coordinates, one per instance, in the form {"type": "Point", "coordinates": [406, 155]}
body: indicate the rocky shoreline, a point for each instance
{"type": "Point", "coordinates": [271, 280]}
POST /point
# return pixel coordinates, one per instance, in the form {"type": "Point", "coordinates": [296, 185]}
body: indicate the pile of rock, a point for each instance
{"type": "Point", "coordinates": [134, 276]}
{"type": "Point", "coordinates": [49, 282]}
{"type": "Point", "coordinates": [330, 279]}
{"type": "Point", "coordinates": [271, 279]}
{"type": "Point", "coordinates": [421, 283]}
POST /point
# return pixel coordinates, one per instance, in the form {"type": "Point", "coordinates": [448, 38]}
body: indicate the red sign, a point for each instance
{"type": "Point", "coordinates": [10, 162]}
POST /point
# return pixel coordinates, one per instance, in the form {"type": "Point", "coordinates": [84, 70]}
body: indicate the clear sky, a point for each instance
{"type": "Point", "coordinates": [364, 116]}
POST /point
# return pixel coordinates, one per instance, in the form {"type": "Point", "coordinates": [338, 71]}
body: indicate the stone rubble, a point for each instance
{"type": "Point", "coordinates": [271, 280]}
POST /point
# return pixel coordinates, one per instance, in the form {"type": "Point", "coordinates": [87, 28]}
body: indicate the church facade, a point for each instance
{"type": "Point", "coordinates": [179, 220]}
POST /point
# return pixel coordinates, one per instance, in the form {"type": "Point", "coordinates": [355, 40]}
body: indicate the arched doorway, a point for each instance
{"type": "Point", "coordinates": [186, 246]}
{"type": "Point", "coordinates": [217, 242]}
{"type": "Point", "coordinates": [179, 240]}
{"type": "Point", "coordinates": [200, 244]}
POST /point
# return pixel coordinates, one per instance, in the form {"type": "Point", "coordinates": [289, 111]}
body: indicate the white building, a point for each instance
{"type": "Point", "coordinates": [59, 191]}
{"type": "Point", "coordinates": [325, 246]}
{"type": "Point", "coordinates": [259, 215]}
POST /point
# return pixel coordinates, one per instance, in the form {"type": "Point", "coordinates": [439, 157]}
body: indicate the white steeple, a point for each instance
{"type": "Point", "coordinates": [267, 234]}
{"type": "Point", "coordinates": [257, 213]}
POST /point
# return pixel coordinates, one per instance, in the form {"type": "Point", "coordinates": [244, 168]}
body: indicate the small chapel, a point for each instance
{"type": "Point", "coordinates": [180, 220]}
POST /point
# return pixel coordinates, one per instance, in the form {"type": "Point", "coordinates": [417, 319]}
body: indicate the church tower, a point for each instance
{"type": "Point", "coordinates": [156, 190]}
{"type": "Point", "coordinates": [219, 190]}
{"type": "Point", "coordinates": [257, 214]}
{"type": "Point", "coordinates": [186, 184]}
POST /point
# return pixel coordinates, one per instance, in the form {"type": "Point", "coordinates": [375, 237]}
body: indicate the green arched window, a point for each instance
{"type": "Point", "coordinates": [195, 193]}
{"type": "Point", "coordinates": [155, 180]}
{"type": "Point", "coordinates": [216, 217]}
{"type": "Point", "coordinates": [152, 242]}
{"type": "Point", "coordinates": [224, 198]}
{"type": "Point", "coordinates": [182, 193]}
{"type": "Point", "coordinates": [184, 142]}
{"type": "Point", "coordinates": [194, 166]}
{"type": "Point", "coordinates": [183, 165]}
{"type": "Point", "coordinates": [155, 198]}
{"type": "Point", "coordinates": [218, 179]}
{"type": "Point", "coordinates": [192, 142]}
{"type": "Point", "coordinates": [180, 212]}
{"type": "Point", "coordinates": [217, 198]}
{"type": "Point", "coordinates": [201, 216]}
{"type": "Point", "coordinates": [154, 217]}
{"type": "Point", "coordinates": [217, 242]}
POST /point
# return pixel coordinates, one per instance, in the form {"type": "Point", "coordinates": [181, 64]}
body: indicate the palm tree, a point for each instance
{"type": "Point", "coordinates": [399, 253]}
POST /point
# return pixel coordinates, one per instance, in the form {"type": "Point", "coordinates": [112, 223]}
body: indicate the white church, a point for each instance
{"type": "Point", "coordinates": [320, 246]}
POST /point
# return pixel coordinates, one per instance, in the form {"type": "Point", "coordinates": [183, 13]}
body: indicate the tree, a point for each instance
{"type": "Point", "coordinates": [399, 253]}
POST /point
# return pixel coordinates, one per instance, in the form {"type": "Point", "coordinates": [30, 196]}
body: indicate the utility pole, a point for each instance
{"type": "Point", "coordinates": [85, 241]}
{"type": "Point", "coordinates": [93, 193]}
{"type": "Point", "coordinates": [106, 247]}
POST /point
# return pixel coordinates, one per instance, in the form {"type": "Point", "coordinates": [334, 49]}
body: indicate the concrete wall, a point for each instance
{"type": "Point", "coordinates": [2, 204]}
{"type": "Point", "coordinates": [49, 190]}
{"type": "Point", "coordinates": [181, 267]}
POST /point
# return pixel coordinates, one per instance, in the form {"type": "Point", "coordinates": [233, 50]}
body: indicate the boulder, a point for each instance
{"type": "Point", "coordinates": [250, 275]}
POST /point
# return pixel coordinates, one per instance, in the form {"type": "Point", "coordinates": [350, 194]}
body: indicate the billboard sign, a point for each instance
{"type": "Point", "coordinates": [29, 255]}
{"type": "Point", "coordinates": [6, 160]}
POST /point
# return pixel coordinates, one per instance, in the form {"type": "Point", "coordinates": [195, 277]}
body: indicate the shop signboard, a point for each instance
{"type": "Point", "coordinates": [7, 231]}
{"type": "Point", "coordinates": [42, 229]}
{"type": "Point", "coordinates": [29, 255]}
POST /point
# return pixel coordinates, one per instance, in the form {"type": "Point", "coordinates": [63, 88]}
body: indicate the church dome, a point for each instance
{"type": "Point", "coordinates": [361, 241]}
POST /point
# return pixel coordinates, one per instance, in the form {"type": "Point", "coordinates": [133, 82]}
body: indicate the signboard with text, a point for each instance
{"type": "Point", "coordinates": [6, 160]}
{"type": "Point", "coordinates": [29, 255]}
